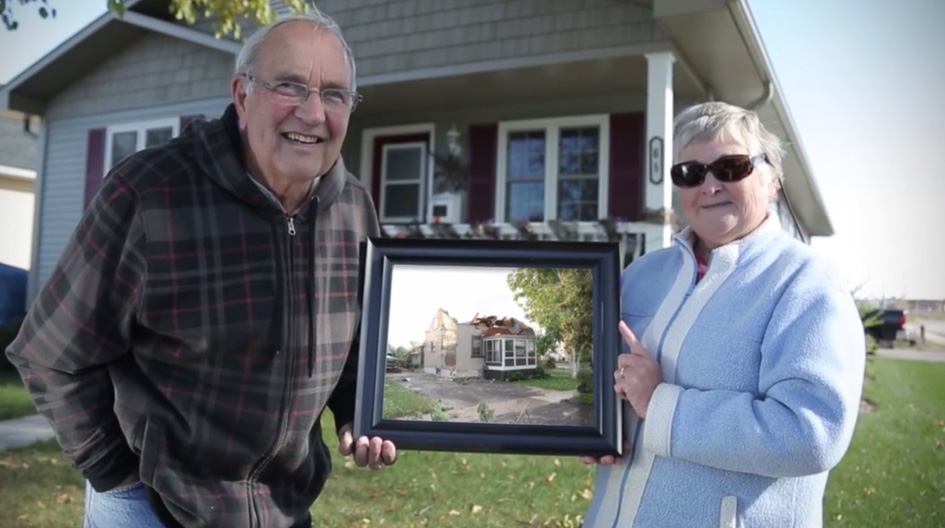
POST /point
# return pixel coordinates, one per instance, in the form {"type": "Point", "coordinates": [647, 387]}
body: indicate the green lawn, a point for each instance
{"type": "Point", "coordinates": [14, 400]}
{"type": "Point", "coordinates": [894, 475]}
{"type": "Point", "coordinates": [400, 402]}
{"type": "Point", "coordinates": [557, 379]}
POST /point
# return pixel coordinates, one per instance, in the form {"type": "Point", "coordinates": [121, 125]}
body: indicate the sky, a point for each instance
{"type": "Point", "coordinates": [418, 291]}
{"type": "Point", "coordinates": [863, 82]}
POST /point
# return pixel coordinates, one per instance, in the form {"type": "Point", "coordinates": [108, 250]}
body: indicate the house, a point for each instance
{"type": "Point", "coordinates": [513, 119]}
{"type": "Point", "coordinates": [19, 156]}
{"type": "Point", "coordinates": [486, 346]}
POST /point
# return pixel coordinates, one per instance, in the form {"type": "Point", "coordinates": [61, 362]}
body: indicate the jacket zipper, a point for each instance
{"type": "Point", "coordinates": [286, 347]}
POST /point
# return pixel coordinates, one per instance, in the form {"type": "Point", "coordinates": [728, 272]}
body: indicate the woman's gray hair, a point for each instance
{"type": "Point", "coordinates": [250, 50]}
{"type": "Point", "coordinates": [716, 120]}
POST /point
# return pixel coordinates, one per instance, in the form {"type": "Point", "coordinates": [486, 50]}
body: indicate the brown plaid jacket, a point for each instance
{"type": "Point", "coordinates": [175, 334]}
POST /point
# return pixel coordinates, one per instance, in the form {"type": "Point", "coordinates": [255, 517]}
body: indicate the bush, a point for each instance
{"type": "Point", "coordinates": [585, 380]}
{"type": "Point", "coordinates": [7, 334]}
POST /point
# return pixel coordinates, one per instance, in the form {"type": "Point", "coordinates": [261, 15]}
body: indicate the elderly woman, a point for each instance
{"type": "Point", "coordinates": [744, 384]}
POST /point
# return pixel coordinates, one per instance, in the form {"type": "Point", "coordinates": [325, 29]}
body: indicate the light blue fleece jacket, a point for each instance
{"type": "Point", "coordinates": [762, 366]}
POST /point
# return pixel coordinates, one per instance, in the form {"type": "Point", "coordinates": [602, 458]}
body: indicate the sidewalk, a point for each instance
{"type": "Point", "coordinates": [24, 431]}
{"type": "Point", "coordinates": [935, 356]}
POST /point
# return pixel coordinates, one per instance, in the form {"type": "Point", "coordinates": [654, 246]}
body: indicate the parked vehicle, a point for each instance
{"type": "Point", "coordinates": [885, 325]}
{"type": "Point", "coordinates": [394, 364]}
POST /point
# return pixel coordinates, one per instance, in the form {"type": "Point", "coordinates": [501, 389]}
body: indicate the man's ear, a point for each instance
{"type": "Point", "coordinates": [238, 92]}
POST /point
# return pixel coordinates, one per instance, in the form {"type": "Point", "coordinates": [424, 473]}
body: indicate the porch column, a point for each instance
{"type": "Point", "coordinates": [659, 148]}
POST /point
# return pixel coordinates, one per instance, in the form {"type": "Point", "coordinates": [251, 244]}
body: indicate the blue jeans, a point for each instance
{"type": "Point", "coordinates": [119, 507]}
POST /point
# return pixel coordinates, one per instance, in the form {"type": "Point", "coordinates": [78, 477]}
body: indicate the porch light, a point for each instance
{"type": "Point", "coordinates": [452, 141]}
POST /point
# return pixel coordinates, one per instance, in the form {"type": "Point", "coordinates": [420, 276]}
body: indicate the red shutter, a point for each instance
{"type": "Point", "coordinates": [626, 185]}
{"type": "Point", "coordinates": [483, 144]}
{"type": "Point", "coordinates": [94, 164]}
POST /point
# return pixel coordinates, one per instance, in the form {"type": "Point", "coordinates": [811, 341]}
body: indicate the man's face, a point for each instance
{"type": "Point", "coordinates": [292, 144]}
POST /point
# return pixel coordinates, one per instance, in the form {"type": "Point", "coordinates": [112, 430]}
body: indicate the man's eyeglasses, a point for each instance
{"type": "Point", "coordinates": [293, 93]}
{"type": "Point", "coordinates": [726, 169]}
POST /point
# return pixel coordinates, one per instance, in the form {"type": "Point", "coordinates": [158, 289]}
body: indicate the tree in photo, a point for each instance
{"type": "Point", "coordinates": [227, 14]}
{"type": "Point", "coordinates": [559, 300]}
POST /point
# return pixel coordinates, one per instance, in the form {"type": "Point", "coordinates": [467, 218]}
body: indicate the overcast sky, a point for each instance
{"type": "Point", "coordinates": [863, 81]}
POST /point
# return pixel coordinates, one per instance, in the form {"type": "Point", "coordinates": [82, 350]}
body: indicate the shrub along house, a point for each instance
{"type": "Point", "coordinates": [513, 119]}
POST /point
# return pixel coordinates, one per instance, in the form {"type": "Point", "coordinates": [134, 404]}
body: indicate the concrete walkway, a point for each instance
{"type": "Point", "coordinates": [912, 354]}
{"type": "Point", "coordinates": [24, 431]}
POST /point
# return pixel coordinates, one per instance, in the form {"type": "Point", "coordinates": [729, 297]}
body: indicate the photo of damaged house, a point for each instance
{"type": "Point", "coordinates": [488, 346]}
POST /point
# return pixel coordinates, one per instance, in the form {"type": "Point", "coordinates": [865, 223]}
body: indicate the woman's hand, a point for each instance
{"type": "Point", "coordinates": [638, 374]}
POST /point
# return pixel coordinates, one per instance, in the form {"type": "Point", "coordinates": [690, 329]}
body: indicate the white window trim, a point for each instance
{"type": "Point", "coordinates": [140, 127]}
{"type": "Point", "coordinates": [418, 217]}
{"type": "Point", "coordinates": [368, 135]}
{"type": "Point", "coordinates": [552, 127]}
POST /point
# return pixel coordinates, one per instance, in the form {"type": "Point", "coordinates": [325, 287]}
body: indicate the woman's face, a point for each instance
{"type": "Point", "coordinates": [721, 212]}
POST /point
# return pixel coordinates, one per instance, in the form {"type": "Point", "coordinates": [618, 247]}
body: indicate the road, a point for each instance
{"type": "Point", "coordinates": [934, 329]}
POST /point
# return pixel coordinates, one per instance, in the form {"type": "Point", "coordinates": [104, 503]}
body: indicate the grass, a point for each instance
{"type": "Point", "coordinates": [893, 475]}
{"type": "Point", "coordinates": [14, 400]}
{"type": "Point", "coordinates": [894, 472]}
{"type": "Point", "coordinates": [402, 402]}
{"type": "Point", "coordinates": [556, 379]}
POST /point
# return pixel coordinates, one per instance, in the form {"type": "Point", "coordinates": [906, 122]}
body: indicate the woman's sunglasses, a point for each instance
{"type": "Point", "coordinates": [726, 169]}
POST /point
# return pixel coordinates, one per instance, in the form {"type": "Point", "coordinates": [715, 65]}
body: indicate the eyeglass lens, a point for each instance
{"type": "Point", "coordinates": [727, 169]}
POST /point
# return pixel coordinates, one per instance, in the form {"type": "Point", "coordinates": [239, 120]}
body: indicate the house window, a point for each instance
{"type": "Point", "coordinates": [403, 166]}
{"type": "Point", "coordinates": [493, 351]}
{"type": "Point", "coordinates": [476, 346]}
{"type": "Point", "coordinates": [525, 176]}
{"type": "Point", "coordinates": [125, 140]}
{"type": "Point", "coordinates": [552, 169]}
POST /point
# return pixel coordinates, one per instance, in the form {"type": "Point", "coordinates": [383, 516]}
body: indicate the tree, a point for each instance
{"type": "Point", "coordinates": [560, 301]}
{"type": "Point", "coordinates": [227, 13]}
{"type": "Point", "coordinates": [6, 11]}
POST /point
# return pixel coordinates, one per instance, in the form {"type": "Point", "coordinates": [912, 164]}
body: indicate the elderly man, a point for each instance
{"type": "Point", "coordinates": [206, 309]}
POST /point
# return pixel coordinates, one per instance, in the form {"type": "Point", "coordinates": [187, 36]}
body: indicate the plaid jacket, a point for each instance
{"type": "Point", "coordinates": [175, 333]}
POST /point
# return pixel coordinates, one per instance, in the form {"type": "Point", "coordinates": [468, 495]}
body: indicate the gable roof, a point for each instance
{"type": "Point", "coordinates": [30, 90]}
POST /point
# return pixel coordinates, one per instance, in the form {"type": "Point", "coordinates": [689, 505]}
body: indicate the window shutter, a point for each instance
{"type": "Point", "coordinates": [94, 164]}
{"type": "Point", "coordinates": [626, 185]}
{"type": "Point", "coordinates": [483, 143]}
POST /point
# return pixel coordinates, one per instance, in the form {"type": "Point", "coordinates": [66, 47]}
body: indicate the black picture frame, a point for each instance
{"type": "Point", "coordinates": [383, 255]}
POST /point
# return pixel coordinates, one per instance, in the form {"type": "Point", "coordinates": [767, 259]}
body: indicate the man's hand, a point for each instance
{"type": "Point", "coordinates": [373, 452]}
{"type": "Point", "coordinates": [637, 374]}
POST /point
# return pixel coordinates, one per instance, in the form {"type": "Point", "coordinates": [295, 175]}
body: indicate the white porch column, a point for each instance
{"type": "Point", "coordinates": [659, 148]}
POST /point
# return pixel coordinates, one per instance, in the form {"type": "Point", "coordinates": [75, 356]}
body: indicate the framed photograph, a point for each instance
{"type": "Point", "coordinates": [490, 346]}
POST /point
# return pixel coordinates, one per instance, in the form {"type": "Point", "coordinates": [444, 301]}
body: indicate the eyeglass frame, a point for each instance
{"type": "Point", "coordinates": [705, 168]}
{"type": "Point", "coordinates": [270, 86]}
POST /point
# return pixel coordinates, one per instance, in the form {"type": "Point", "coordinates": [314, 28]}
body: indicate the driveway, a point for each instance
{"type": "Point", "coordinates": [511, 402]}
{"type": "Point", "coordinates": [913, 354]}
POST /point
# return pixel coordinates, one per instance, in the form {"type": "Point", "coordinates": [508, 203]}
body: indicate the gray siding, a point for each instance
{"type": "Point", "coordinates": [154, 70]}
{"type": "Point", "coordinates": [399, 35]}
{"type": "Point", "coordinates": [18, 148]}
{"type": "Point", "coordinates": [63, 176]}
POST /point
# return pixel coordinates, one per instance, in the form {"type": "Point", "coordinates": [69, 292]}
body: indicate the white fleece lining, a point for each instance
{"type": "Point", "coordinates": [675, 297]}
{"type": "Point", "coordinates": [639, 470]}
{"type": "Point", "coordinates": [728, 514]}
{"type": "Point", "coordinates": [722, 265]}
{"type": "Point", "coordinates": [658, 431]}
